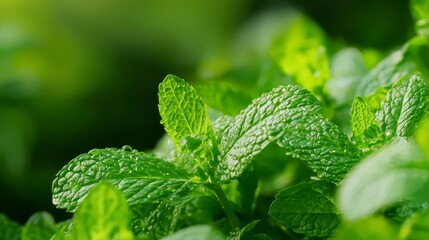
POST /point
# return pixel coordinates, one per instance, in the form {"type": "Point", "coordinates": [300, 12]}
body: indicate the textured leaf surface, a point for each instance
{"type": "Point", "coordinates": [185, 118]}
{"type": "Point", "coordinates": [182, 110]}
{"type": "Point", "coordinates": [143, 178]}
{"type": "Point", "coordinates": [9, 229]}
{"type": "Point", "coordinates": [198, 232]}
{"type": "Point", "coordinates": [404, 107]}
{"type": "Point", "coordinates": [365, 129]}
{"type": "Point", "coordinates": [327, 150]}
{"type": "Point", "coordinates": [103, 214]}
{"type": "Point", "coordinates": [41, 225]}
{"type": "Point", "coordinates": [259, 124]}
{"type": "Point", "coordinates": [395, 173]}
{"type": "Point", "coordinates": [307, 208]}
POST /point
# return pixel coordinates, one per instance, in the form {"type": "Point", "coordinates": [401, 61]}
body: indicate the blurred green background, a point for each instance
{"type": "Point", "coordinates": [78, 74]}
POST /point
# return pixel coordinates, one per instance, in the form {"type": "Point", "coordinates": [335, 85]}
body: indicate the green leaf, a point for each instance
{"type": "Point", "coordinates": [103, 214]}
{"type": "Point", "coordinates": [185, 118]}
{"type": "Point", "coordinates": [422, 137]}
{"type": "Point", "coordinates": [9, 229]}
{"type": "Point", "coordinates": [259, 124]}
{"type": "Point", "coordinates": [223, 97]}
{"type": "Point", "coordinates": [301, 53]}
{"type": "Point", "coordinates": [403, 109]}
{"type": "Point", "coordinates": [197, 232]}
{"type": "Point", "coordinates": [143, 178]}
{"type": "Point", "coordinates": [420, 12]}
{"type": "Point", "coordinates": [246, 233]}
{"type": "Point", "coordinates": [319, 142]}
{"type": "Point", "coordinates": [395, 173]}
{"type": "Point", "coordinates": [41, 225]}
{"type": "Point", "coordinates": [416, 227]}
{"type": "Point", "coordinates": [411, 58]}
{"type": "Point", "coordinates": [370, 228]}
{"type": "Point", "coordinates": [348, 69]}
{"type": "Point", "coordinates": [364, 127]}
{"type": "Point", "coordinates": [307, 208]}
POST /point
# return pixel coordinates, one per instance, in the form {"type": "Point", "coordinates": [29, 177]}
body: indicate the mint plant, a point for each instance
{"type": "Point", "coordinates": [276, 158]}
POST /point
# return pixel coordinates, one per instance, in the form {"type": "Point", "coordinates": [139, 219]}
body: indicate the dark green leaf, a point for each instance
{"type": "Point", "coordinates": [307, 208]}
{"type": "Point", "coordinates": [143, 178]}
{"type": "Point", "coordinates": [41, 225]}
{"type": "Point", "coordinates": [9, 229]}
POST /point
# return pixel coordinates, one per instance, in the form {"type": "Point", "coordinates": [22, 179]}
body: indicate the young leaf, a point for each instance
{"type": "Point", "coordinates": [301, 53]}
{"type": "Point", "coordinates": [143, 178]}
{"type": "Point", "coordinates": [197, 232]}
{"type": "Point", "coordinates": [405, 106]}
{"type": "Point", "coordinates": [41, 225]}
{"type": "Point", "coordinates": [364, 127]}
{"type": "Point", "coordinates": [185, 118]}
{"type": "Point", "coordinates": [103, 214]}
{"type": "Point", "coordinates": [223, 97]}
{"type": "Point", "coordinates": [396, 172]}
{"type": "Point", "coordinates": [9, 229]}
{"type": "Point", "coordinates": [259, 124]}
{"type": "Point", "coordinates": [307, 208]}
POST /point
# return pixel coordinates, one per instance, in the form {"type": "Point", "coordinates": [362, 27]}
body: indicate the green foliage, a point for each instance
{"type": "Point", "coordinates": [264, 155]}
{"type": "Point", "coordinates": [307, 208]}
{"type": "Point", "coordinates": [104, 214]}
{"type": "Point", "coordinates": [396, 172]}
{"type": "Point", "coordinates": [40, 226]}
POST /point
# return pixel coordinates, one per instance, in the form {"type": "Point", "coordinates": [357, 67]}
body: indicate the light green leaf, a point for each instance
{"type": "Point", "coordinates": [9, 229]}
{"type": "Point", "coordinates": [223, 97]}
{"type": "Point", "coordinates": [197, 232]}
{"type": "Point", "coordinates": [259, 124]}
{"type": "Point", "coordinates": [364, 127]}
{"type": "Point", "coordinates": [143, 178]}
{"type": "Point", "coordinates": [185, 117]}
{"type": "Point", "coordinates": [395, 173]}
{"type": "Point", "coordinates": [416, 227]}
{"type": "Point", "coordinates": [420, 12]}
{"type": "Point", "coordinates": [103, 214]}
{"type": "Point", "coordinates": [301, 53]}
{"type": "Point", "coordinates": [370, 228]}
{"type": "Point", "coordinates": [361, 116]}
{"type": "Point", "coordinates": [403, 109]}
{"type": "Point", "coordinates": [347, 70]}
{"type": "Point", "coordinates": [411, 58]}
{"type": "Point", "coordinates": [307, 208]}
{"type": "Point", "coordinates": [422, 137]}
{"type": "Point", "coordinates": [41, 225]}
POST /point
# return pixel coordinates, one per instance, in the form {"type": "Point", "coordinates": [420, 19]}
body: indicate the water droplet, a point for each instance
{"type": "Point", "coordinates": [127, 148]}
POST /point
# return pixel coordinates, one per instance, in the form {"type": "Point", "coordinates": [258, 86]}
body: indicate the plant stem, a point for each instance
{"type": "Point", "coordinates": [235, 224]}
